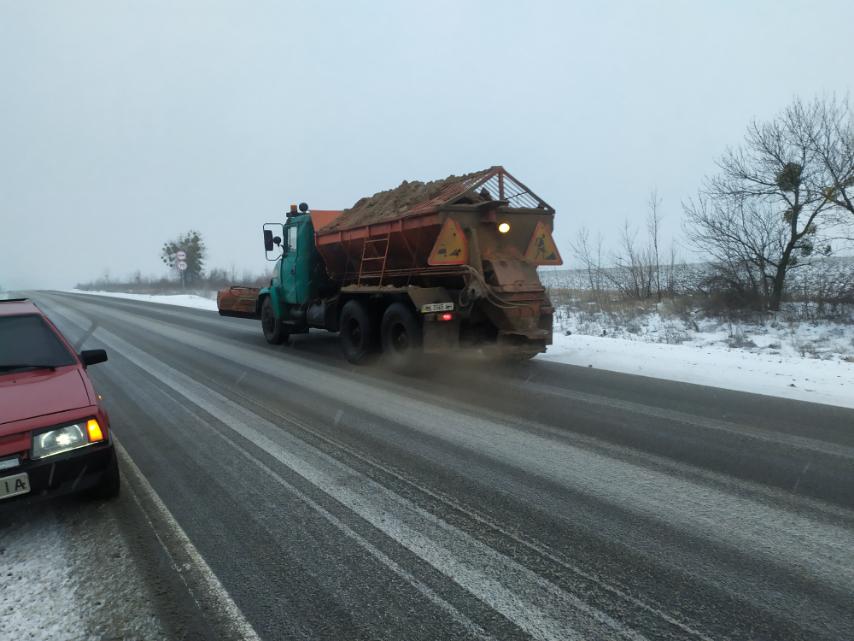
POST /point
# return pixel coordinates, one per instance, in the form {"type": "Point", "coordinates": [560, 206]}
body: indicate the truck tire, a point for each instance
{"type": "Point", "coordinates": [401, 338]}
{"type": "Point", "coordinates": [356, 332]}
{"type": "Point", "coordinates": [274, 331]}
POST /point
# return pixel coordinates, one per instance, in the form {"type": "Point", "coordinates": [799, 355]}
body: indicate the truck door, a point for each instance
{"type": "Point", "coordinates": [296, 262]}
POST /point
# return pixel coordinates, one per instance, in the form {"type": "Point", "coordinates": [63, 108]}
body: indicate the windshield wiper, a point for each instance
{"type": "Point", "coordinates": [8, 368]}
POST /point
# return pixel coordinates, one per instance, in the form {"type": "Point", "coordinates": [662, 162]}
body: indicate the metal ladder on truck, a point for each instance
{"type": "Point", "coordinates": [374, 250]}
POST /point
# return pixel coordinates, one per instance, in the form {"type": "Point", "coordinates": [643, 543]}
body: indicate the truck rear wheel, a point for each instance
{"type": "Point", "coordinates": [357, 333]}
{"type": "Point", "coordinates": [401, 337]}
{"type": "Point", "coordinates": [274, 331]}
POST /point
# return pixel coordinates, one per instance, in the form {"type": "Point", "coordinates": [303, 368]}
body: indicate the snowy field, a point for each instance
{"type": "Point", "coordinates": [821, 275]}
{"type": "Point", "coordinates": [779, 355]}
{"type": "Point", "coordinates": [789, 376]}
{"type": "Point", "coordinates": [184, 300]}
{"type": "Point", "coordinates": [787, 333]}
{"type": "Point", "coordinates": [804, 361]}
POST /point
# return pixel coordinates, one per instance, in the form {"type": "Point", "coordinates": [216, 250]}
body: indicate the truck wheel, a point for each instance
{"type": "Point", "coordinates": [401, 337]}
{"type": "Point", "coordinates": [274, 331]}
{"type": "Point", "coordinates": [357, 333]}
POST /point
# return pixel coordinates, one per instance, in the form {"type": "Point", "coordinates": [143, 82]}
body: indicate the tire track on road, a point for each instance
{"type": "Point", "coordinates": [532, 603]}
{"type": "Point", "coordinates": [730, 519]}
{"type": "Point", "coordinates": [612, 474]}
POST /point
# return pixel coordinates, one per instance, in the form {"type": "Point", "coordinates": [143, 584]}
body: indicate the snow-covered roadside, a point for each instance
{"type": "Point", "coordinates": [67, 575]}
{"type": "Point", "coordinates": [183, 300]}
{"type": "Point", "coordinates": [37, 582]}
{"type": "Point", "coordinates": [807, 379]}
{"type": "Point", "coordinates": [794, 331]}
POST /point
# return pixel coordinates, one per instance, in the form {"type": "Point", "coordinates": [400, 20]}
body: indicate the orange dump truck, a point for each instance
{"type": "Point", "coordinates": [428, 267]}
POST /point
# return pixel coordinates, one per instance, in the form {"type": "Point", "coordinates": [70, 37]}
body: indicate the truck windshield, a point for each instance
{"type": "Point", "coordinates": [292, 238]}
{"type": "Point", "coordinates": [27, 341]}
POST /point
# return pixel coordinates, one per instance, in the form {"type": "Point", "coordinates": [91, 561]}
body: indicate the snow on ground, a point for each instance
{"type": "Point", "coordinates": [38, 596]}
{"type": "Point", "coordinates": [805, 351]}
{"type": "Point", "coordinates": [68, 575]}
{"type": "Point", "coordinates": [789, 376]}
{"type": "Point", "coordinates": [183, 300]}
{"type": "Point", "coordinates": [788, 333]}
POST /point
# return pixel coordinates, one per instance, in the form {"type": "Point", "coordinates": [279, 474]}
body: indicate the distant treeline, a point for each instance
{"type": "Point", "coordinates": [206, 282]}
{"type": "Point", "coordinates": [828, 283]}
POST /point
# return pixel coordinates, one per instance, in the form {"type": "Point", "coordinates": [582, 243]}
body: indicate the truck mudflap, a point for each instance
{"type": "Point", "coordinates": [237, 301]}
{"type": "Point", "coordinates": [440, 336]}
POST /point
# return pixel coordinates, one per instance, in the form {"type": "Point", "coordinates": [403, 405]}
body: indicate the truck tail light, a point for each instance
{"type": "Point", "coordinates": [447, 316]}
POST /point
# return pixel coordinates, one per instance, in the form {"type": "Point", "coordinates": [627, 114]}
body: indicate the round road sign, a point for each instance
{"type": "Point", "coordinates": [181, 255]}
{"type": "Point", "coordinates": [181, 265]}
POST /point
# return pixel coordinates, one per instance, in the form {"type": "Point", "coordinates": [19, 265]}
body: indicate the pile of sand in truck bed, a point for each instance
{"type": "Point", "coordinates": [401, 201]}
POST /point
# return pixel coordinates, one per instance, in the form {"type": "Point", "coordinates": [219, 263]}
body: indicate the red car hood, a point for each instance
{"type": "Point", "coordinates": [36, 393]}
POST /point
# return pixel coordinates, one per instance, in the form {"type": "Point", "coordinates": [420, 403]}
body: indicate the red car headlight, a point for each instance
{"type": "Point", "coordinates": [66, 438]}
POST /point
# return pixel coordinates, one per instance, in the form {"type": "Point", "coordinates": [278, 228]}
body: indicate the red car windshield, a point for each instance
{"type": "Point", "coordinates": [27, 342]}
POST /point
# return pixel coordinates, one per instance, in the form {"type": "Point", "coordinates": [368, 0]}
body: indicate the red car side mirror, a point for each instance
{"type": "Point", "coordinates": [93, 356]}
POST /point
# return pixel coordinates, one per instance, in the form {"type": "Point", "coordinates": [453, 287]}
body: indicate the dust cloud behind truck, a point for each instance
{"type": "Point", "coordinates": [432, 267]}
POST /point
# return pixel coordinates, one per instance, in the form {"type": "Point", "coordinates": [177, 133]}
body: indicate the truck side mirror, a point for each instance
{"type": "Point", "coordinates": [273, 242]}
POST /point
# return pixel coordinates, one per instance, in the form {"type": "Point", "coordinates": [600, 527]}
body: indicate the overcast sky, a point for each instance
{"type": "Point", "coordinates": [123, 124]}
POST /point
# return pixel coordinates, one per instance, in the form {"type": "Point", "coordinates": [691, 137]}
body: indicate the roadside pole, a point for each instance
{"type": "Point", "coordinates": [181, 264]}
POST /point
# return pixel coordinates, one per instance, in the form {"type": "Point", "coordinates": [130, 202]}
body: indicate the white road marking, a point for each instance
{"type": "Point", "coordinates": [212, 597]}
{"type": "Point", "coordinates": [736, 429]}
{"type": "Point", "coordinates": [517, 537]}
{"type": "Point", "coordinates": [534, 604]}
{"type": "Point", "coordinates": [472, 627]}
{"type": "Point", "coordinates": [731, 519]}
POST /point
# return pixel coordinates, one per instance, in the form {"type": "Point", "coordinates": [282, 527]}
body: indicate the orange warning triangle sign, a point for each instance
{"type": "Point", "coordinates": [451, 247]}
{"type": "Point", "coordinates": [542, 249]}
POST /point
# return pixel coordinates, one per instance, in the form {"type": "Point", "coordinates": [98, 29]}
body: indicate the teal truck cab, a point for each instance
{"type": "Point", "coordinates": [296, 297]}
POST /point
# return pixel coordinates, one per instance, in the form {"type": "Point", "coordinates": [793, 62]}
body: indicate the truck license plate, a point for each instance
{"type": "Point", "coordinates": [437, 307]}
{"type": "Point", "coordinates": [14, 485]}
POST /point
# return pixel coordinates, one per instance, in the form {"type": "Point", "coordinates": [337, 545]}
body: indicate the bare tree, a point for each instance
{"type": "Point", "coordinates": [827, 126]}
{"type": "Point", "coordinates": [637, 273]}
{"type": "Point", "coordinates": [653, 225]}
{"type": "Point", "coordinates": [633, 274]}
{"type": "Point", "coordinates": [742, 241]}
{"type": "Point", "coordinates": [589, 254]}
{"type": "Point", "coordinates": [670, 276]}
{"type": "Point", "coordinates": [760, 216]}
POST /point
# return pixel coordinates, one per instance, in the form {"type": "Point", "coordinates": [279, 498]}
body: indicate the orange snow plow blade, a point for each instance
{"type": "Point", "coordinates": [238, 301]}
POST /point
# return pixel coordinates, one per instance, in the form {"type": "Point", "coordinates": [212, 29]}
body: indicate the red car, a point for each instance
{"type": "Point", "coordinates": [54, 433]}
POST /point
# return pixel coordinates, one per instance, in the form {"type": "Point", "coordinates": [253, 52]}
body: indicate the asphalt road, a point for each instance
{"type": "Point", "coordinates": [544, 501]}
